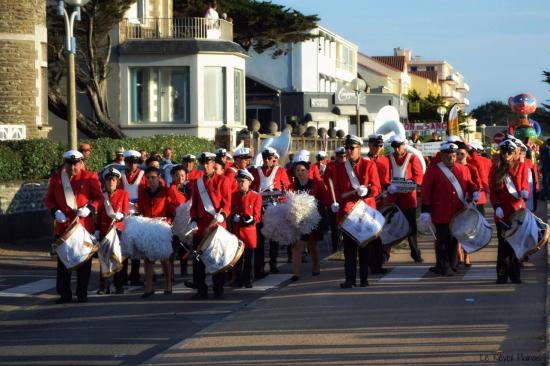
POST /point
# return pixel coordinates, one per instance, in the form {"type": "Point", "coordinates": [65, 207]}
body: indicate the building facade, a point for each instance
{"type": "Point", "coordinates": [24, 71]}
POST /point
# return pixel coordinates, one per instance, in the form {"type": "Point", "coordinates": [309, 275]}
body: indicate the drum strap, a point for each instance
{"type": "Point", "coordinates": [108, 207]}
{"type": "Point", "coordinates": [234, 169]}
{"type": "Point", "coordinates": [399, 171]}
{"type": "Point", "coordinates": [266, 183]}
{"type": "Point", "coordinates": [351, 175]}
{"type": "Point", "coordinates": [454, 182]}
{"type": "Point", "coordinates": [132, 188]}
{"type": "Point", "coordinates": [205, 198]}
{"type": "Point", "coordinates": [70, 199]}
{"type": "Point", "coordinates": [510, 186]}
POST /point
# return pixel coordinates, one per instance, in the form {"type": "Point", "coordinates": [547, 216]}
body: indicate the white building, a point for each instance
{"type": "Point", "coordinates": [303, 84]}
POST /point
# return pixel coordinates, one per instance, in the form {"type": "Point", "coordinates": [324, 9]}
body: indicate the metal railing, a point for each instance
{"type": "Point", "coordinates": [176, 28]}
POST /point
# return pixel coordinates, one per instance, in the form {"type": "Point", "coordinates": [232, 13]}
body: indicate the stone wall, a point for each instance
{"type": "Point", "coordinates": [23, 215]}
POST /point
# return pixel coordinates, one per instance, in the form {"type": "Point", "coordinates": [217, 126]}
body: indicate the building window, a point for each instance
{"type": "Point", "coordinates": [414, 68]}
{"type": "Point", "coordinates": [238, 97]}
{"type": "Point", "coordinates": [430, 68]}
{"type": "Point", "coordinates": [345, 61]}
{"type": "Point", "coordinates": [159, 94]}
{"type": "Point", "coordinates": [214, 93]}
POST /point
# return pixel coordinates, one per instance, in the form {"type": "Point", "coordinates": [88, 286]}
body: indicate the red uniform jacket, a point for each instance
{"type": "Point", "coordinates": [366, 173]}
{"type": "Point", "coordinates": [120, 202]}
{"type": "Point", "coordinates": [176, 198]}
{"type": "Point", "coordinates": [231, 176]}
{"type": "Point", "coordinates": [315, 170]}
{"type": "Point", "coordinates": [474, 173]}
{"type": "Point", "coordinates": [194, 174]}
{"type": "Point", "coordinates": [439, 197]}
{"type": "Point", "coordinates": [86, 189]}
{"type": "Point", "coordinates": [500, 197]}
{"type": "Point", "coordinates": [219, 190]}
{"type": "Point", "coordinates": [249, 204]}
{"type": "Point", "coordinates": [155, 205]}
{"type": "Point", "coordinates": [281, 181]}
{"type": "Point", "coordinates": [413, 172]}
{"type": "Point", "coordinates": [483, 166]}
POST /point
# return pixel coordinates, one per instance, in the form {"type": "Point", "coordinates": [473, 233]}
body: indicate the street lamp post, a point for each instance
{"type": "Point", "coordinates": [483, 126]}
{"type": "Point", "coordinates": [70, 48]}
{"type": "Point", "coordinates": [441, 111]}
{"type": "Point", "coordinates": [358, 85]}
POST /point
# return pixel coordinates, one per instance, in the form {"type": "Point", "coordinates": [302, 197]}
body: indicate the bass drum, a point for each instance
{"type": "Point", "coordinates": [220, 250]}
{"type": "Point", "coordinates": [75, 246]}
{"type": "Point", "coordinates": [396, 227]}
{"type": "Point", "coordinates": [471, 229]}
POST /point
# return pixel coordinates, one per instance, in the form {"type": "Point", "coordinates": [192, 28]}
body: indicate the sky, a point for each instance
{"type": "Point", "coordinates": [500, 46]}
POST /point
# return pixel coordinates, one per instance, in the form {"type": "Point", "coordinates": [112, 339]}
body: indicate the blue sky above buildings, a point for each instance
{"type": "Point", "coordinates": [500, 46]}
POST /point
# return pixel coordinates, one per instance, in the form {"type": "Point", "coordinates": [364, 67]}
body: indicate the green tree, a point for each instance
{"type": "Point", "coordinates": [494, 113]}
{"type": "Point", "coordinates": [92, 63]}
{"type": "Point", "coordinates": [428, 106]}
{"type": "Point", "coordinates": [257, 24]}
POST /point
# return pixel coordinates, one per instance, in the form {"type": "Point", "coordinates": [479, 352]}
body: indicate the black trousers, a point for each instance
{"type": "Point", "coordinates": [334, 231]}
{"type": "Point", "coordinates": [410, 214]}
{"type": "Point", "coordinates": [445, 247]}
{"type": "Point", "coordinates": [118, 279]}
{"type": "Point", "coordinates": [508, 265]}
{"type": "Point", "coordinates": [199, 275]}
{"type": "Point", "coordinates": [351, 251]}
{"type": "Point", "coordinates": [375, 253]}
{"type": "Point", "coordinates": [244, 266]}
{"type": "Point", "coordinates": [259, 252]}
{"type": "Point", "coordinates": [63, 282]}
{"type": "Point", "coordinates": [134, 271]}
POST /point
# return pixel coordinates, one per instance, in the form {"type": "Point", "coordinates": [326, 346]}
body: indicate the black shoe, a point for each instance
{"type": "Point", "coordinates": [237, 284]}
{"type": "Point", "coordinates": [248, 284]}
{"type": "Point", "coordinates": [379, 271]}
{"type": "Point", "coordinates": [434, 270]}
{"type": "Point", "coordinates": [136, 283]}
{"type": "Point", "coordinates": [168, 292]}
{"type": "Point", "coordinates": [501, 280]}
{"type": "Point", "coordinates": [147, 295]}
{"type": "Point", "coordinates": [418, 260]}
{"type": "Point", "coordinates": [189, 284]}
{"type": "Point", "coordinates": [82, 299]}
{"type": "Point", "coordinates": [101, 292]}
{"type": "Point", "coordinates": [260, 275]}
{"type": "Point", "coordinates": [294, 278]}
{"type": "Point", "coordinates": [516, 280]}
{"type": "Point", "coordinates": [199, 296]}
{"type": "Point", "coordinates": [449, 272]}
{"type": "Point", "coordinates": [218, 296]}
{"type": "Point", "coordinates": [347, 285]}
{"type": "Point", "coordinates": [273, 269]}
{"type": "Point", "coordinates": [119, 291]}
{"type": "Point", "coordinates": [315, 273]}
{"type": "Point", "coordinates": [364, 283]}
{"type": "Point", "coordinates": [64, 300]}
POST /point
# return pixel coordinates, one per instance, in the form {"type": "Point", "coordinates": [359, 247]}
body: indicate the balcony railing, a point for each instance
{"type": "Point", "coordinates": [175, 28]}
{"type": "Point", "coordinates": [464, 87]}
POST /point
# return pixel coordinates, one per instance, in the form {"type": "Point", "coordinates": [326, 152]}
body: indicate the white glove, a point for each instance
{"type": "Point", "coordinates": [524, 194]}
{"type": "Point", "coordinates": [119, 216]}
{"type": "Point", "coordinates": [392, 189]}
{"type": "Point", "coordinates": [131, 212]}
{"type": "Point", "coordinates": [83, 212]}
{"type": "Point", "coordinates": [425, 217]}
{"type": "Point", "coordinates": [60, 216]}
{"type": "Point", "coordinates": [476, 195]}
{"type": "Point", "coordinates": [335, 207]}
{"type": "Point", "coordinates": [219, 218]}
{"type": "Point", "coordinates": [362, 191]}
{"type": "Point", "coordinates": [236, 218]}
{"type": "Point", "coordinates": [499, 213]}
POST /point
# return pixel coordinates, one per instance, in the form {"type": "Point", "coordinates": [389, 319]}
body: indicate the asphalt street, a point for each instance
{"type": "Point", "coordinates": [408, 316]}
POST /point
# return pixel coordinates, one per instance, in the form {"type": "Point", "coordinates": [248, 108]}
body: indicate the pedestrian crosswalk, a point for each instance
{"type": "Point", "coordinates": [29, 289]}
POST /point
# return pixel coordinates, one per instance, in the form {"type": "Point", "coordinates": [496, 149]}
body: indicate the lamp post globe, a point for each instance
{"type": "Point", "coordinates": [358, 85]}
{"type": "Point", "coordinates": [441, 111]}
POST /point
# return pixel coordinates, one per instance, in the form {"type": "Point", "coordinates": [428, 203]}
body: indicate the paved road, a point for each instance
{"type": "Point", "coordinates": [407, 316]}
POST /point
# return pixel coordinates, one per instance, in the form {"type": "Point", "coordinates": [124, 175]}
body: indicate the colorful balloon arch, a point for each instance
{"type": "Point", "coordinates": [524, 127]}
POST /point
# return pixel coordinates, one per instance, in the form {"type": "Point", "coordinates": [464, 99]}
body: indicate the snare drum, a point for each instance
{"type": "Point", "coordinates": [471, 229]}
{"type": "Point", "coordinates": [110, 254]}
{"type": "Point", "coordinates": [527, 233]}
{"type": "Point", "coordinates": [396, 227]}
{"type": "Point", "coordinates": [220, 250]}
{"type": "Point", "coordinates": [75, 246]}
{"type": "Point", "coordinates": [363, 223]}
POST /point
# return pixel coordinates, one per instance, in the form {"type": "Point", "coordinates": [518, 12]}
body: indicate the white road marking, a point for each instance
{"type": "Point", "coordinates": [267, 283]}
{"type": "Point", "coordinates": [481, 272]}
{"type": "Point", "coordinates": [29, 289]}
{"type": "Point", "coordinates": [405, 273]}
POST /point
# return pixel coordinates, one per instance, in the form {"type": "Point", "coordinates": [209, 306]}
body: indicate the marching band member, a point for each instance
{"type": "Point", "coordinates": [132, 180]}
{"type": "Point", "coordinates": [73, 192]}
{"type": "Point", "coordinates": [406, 166]}
{"type": "Point", "coordinates": [377, 254]}
{"type": "Point", "coordinates": [223, 159]}
{"type": "Point", "coordinates": [269, 179]}
{"type": "Point", "coordinates": [340, 156]}
{"type": "Point", "coordinates": [444, 191]}
{"type": "Point", "coordinates": [509, 188]}
{"type": "Point", "coordinates": [532, 177]}
{"type": "Point", "coordinates": [113, 210]}
{"type": "Point", "coordinates": [246, 208]}
{"type": "Point", "coordinates": [316, 188]}
{"type": "Point", "coordinates": [462, 158]}
{"type": "Point", "coordinates": [153, 202]}
{"type": "Point", "coordinates": [355, 179]}
{"type": "Point", "coordinates": [242, 161]}
{"type": "Point", "coordinates": [188, 163]}
{"type": "Point", "coordinates": [211, 204]}
{"type": "Point", "coordinates": [483, 166]}
{"type": "Point", "coordinates": [179, 193]}
{"type": "Point", "coordinates": [318, 168]}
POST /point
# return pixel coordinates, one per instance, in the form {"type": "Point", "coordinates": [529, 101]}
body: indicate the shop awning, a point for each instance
{"type": "Point", "coordinates": [321, 117]}
{"type": "Point", "coordinates": [349, 110]}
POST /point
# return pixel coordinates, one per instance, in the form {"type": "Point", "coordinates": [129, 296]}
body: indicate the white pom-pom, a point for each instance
{"type": "Point", "coordinates": [180, 226]}
{"type": "Point", "coordinates": [276, 226]}
{"type": "Point", "coordinates": [302, 211]}
{"type": "Point", "coordinates": [144, 237]}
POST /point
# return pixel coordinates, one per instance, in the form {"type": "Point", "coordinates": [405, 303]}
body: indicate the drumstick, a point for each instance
{"type": "Point", "coordinates": [331, 185]}
{"type": "Point", "coordinates": [432, 231]}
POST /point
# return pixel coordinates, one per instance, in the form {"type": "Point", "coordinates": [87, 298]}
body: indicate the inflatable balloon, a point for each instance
{"type": "Point", "coordinates": [523, 104]}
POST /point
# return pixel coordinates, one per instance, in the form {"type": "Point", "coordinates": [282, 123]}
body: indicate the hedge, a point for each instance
{"type": "Point", "coordinates": [35, 159]}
